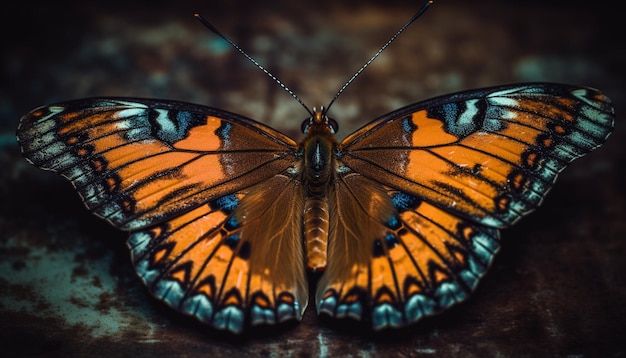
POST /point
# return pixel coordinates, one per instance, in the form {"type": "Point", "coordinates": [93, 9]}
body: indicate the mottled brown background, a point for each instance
{"type": "Point", "coordinates": [66, 284]}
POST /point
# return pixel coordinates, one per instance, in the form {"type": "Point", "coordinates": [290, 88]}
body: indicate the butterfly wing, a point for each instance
{"type": "Point", "coordinates": [443, 176]}
{"type": "Point", "coordinates": [231, 262]}
{"type": "Point", "coordinates": [488, 155]}
{"type": "Point", "coordinates": [187, 181]}
{"type": "Point", "coordinates": [413, 260]}
{"type": "Point", "coordinates": [138, 162]}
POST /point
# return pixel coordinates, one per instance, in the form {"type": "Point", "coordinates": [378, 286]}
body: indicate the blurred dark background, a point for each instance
{"type": "Point", "coordinates": [66, 284]}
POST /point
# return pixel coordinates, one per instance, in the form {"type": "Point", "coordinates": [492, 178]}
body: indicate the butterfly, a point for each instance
{"type": "Point", "coordinates": [400, 220]}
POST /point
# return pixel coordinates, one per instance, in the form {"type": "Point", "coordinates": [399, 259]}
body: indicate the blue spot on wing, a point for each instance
{"type": "Point", "coordinates": [226, 203]}
{"type": "Point", "coordinates": [184, 118]}
{"type": "Point", "coordinates": [403, 202]}
{"type": "Point", "coordinates": [408, 126]}
{"type": "Point", "coordinates": [224, 131]}
{"type": "Point", "coordinates": [450, 112]}
{"type": "Point", "coordinates": [232, 241]}
{"type": "Point", "coordinates": [391, 240]}
{"type": "Point", "coordinates": [394, 222]}
{"type": "Point", "coordinates": [232, 223]}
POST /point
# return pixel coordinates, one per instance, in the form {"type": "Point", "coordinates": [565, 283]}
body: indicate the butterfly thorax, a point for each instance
{"type": "Point", "coordinates": [317, 146]}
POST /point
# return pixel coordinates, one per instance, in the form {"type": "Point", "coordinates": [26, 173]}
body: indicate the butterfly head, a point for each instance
{"type": "Point", "coordinates": [319, 121]}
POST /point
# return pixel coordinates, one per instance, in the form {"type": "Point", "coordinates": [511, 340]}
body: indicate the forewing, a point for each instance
{"type": "Point", "coordinates": [138, 162]}
{"type": "Point", "coordinates": [488, 155]}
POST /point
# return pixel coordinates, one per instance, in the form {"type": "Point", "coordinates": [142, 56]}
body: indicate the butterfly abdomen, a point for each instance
{"type": "Point", "coordinates": [316, 221]}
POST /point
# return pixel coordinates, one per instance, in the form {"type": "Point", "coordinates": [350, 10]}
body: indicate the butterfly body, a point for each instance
{"type": "Point", "coordinates": [318, 166]}
{"type": "Point", "coordinates": [226, 215]}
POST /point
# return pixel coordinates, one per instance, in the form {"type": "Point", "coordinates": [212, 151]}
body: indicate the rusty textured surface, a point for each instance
{"type": "Point", "coordinates": [67, 288]}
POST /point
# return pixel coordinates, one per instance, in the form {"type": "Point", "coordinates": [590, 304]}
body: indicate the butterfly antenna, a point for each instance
{"type": "Point", "coordinates": [268, 73]}
{"type": "Point", "coordinates": [392, 39]}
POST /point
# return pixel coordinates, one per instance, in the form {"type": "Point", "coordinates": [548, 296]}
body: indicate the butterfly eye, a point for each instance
{"type": "Point", "coordinates": [334, 126]}
{"type": "Point", "coordinates": [306, 124]}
